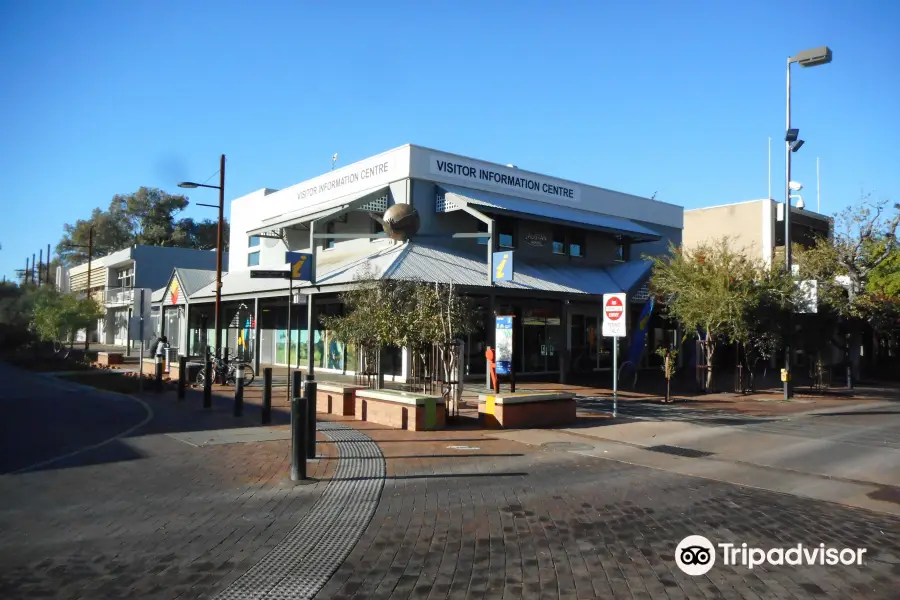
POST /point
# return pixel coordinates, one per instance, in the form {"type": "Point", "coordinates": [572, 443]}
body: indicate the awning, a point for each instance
{"type": "Point", "coordinates": [455, 197]}
{"type": "Point", "coordinates": [323, 210]}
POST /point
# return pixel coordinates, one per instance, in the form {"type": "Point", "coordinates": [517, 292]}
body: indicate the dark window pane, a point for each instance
{"type": "Point", "coordinates": [559, 241]}
{"type": "Point", "coordinates": [576, 243]}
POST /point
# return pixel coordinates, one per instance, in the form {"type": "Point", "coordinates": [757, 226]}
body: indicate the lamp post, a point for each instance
{"type": "Point", "coordinates": [219, 245]}
{"type": "Point", "coordinates": [807, 58]}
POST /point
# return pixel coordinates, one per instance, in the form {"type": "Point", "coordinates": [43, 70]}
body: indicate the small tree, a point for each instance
{"type": "Point", "coordinates": [56, 316]}
{"type": "Point", "coordinates": [669, 356]}
{"type": "Point", "coordinates": [15, 315]}
{"type": "Point", "coordinates": [442, 318]}
{"type": "Point", "coordinates": [706, 290]}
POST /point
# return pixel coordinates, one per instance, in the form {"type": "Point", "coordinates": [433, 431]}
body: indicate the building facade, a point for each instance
{"type": "Point", "coordinates": [571, 243]}
{"type": "Point", "coordinates": [115, 276]}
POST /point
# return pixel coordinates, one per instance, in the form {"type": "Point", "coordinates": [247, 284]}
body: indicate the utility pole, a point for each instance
{"type": "Point", "coordinates": [40, 269]}
{"type": "Point", "coordinates": [48, 263]}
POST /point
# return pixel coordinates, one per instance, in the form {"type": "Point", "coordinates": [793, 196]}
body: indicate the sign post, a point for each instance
{"type": "Point", "coordinates": [614, 327]}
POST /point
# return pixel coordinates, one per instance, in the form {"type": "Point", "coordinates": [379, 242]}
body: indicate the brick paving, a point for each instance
{"type": "Point", "coordinates": [149, 516]}
{"type": "Point", "coordinates": [462, 514]}
{"type": "Point", "coordinates": [501, 520]}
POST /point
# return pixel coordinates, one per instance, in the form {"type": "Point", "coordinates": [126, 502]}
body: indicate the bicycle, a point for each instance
{"type": "Point", "coordinates": [231, 374]}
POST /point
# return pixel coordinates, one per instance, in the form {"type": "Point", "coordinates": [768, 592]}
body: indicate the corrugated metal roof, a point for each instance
{"type": "Point", "coordinates": [194, 280]}
{"type": "Point", "coordinates": [427, 262]}
{"type": "Point", "coordinates": [433, 263]}
{"type": "Point", "coordinates": [544, 211]}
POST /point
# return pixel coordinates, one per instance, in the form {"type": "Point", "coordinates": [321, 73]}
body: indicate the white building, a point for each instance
{"type": "Point", "coordinates": [572, 242]}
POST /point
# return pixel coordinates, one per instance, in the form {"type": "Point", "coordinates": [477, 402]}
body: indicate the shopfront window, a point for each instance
{"type": "Point", "coordinates": [559, 240]}
{"type": "Point", "coordinates": [506, 232]}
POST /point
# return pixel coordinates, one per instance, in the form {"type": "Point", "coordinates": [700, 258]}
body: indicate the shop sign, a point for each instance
{"type": "Point", "coordinates": [536, 239]}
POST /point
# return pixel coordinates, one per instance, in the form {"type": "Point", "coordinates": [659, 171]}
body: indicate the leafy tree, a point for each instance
{"type": "Point", "coordinates": [15, 314]}
{"type": "Point", "coordinates": [713, 290]}
{"type": "Point", "coordinates": [856, 271]}
{"type": "Point", "coordinates": [56, 316]}
{"type": "Point", "coordinates": [147, 216]}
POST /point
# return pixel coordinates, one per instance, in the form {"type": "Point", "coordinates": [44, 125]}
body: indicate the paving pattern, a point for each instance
{"type": "Point", "coordinates": [498, 523]}
{"type": "Point", "coordinates": [305, 559]}
{"type": "Point", "coordinates": [633, 409]}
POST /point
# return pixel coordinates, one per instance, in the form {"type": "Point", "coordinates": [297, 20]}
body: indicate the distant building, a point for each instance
{"type": "Point", "coordinates": [116, 275]}
{"type": "Point", "coordinates": [755, 226]}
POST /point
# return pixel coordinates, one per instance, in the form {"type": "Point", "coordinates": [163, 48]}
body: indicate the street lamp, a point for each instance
{"type": "Point", "coordinates": [219, 244]}
{"type": "Point", "coordinates": [808, 58]}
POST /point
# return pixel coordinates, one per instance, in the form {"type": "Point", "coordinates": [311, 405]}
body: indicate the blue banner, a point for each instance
{"type": "Point", "coordinates": [639, 339]}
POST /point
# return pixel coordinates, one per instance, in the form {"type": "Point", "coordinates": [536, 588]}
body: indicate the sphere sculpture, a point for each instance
{"type": "Point", "coordinates": [400, 222]}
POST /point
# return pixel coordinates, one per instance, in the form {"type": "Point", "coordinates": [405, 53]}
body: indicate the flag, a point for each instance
{"type": "Point", "coordinates": [639, 339]}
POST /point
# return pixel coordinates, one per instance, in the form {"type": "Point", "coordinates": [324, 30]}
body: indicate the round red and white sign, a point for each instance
{"type": "Point", "coordinates": [614, 309]}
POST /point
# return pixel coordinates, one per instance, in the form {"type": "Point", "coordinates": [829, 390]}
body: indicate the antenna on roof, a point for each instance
{"type": "Point", "coordinates": [333, 160]}
{"type": "Point", "coordinates": [653, 197]}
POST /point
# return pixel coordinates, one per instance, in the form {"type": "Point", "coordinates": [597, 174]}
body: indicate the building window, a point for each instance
{"type": "Point", "coordinates": [622, 252]}
{"type": "Point", "coordinates": [576, 243]}
{"type": "Point", "coordinates": [375, 227]}
{"type": "Point", "coordinates": [253, 242]}
{"type": "Point", "coordinates": [483, 227]}
{"type": "Point", "coordinates": [253, 259]}
{"type": "Point", "coordinates": [329, 228]}
{"type": "Point", "coordinates": [559, 240]}
{"type": "Point", "coordinates": [506, 232]}
{"type": "Point", "coordinates": [125, 278]}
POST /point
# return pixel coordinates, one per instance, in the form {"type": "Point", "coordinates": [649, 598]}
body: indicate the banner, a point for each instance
{"type": "Point", "coordinates": [639, 339]}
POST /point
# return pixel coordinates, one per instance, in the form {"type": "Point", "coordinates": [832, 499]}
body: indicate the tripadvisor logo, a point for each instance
{"type": "Point", "coordinates": [696, 555]}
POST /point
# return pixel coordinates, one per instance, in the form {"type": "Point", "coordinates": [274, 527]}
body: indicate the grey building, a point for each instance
{"type": "Point", "coordinates": [115, 276]}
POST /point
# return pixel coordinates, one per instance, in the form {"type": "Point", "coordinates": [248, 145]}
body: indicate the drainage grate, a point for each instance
{"type": "Point", "coordinates": [677, 451]}
{"type": "Point", "coordinates": [309, 555]}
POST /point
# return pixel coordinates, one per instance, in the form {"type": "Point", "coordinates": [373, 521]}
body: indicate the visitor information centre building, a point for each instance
{"type": "Point", "coordinates": [570, 244]}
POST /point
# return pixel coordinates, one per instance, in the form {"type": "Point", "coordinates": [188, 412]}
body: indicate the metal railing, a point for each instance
{"type": "Point", "coordinates": [118, 296]}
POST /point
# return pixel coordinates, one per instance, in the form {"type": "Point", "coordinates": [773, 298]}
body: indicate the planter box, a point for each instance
{"type": "Point", "coordinates": [336, 398]}
{"type": "Point", "coordinates": [402, 410]}
{"type": "Point", "coordinates": [526, 409]}
{"type": "Point", "coordinates": [110, 358]}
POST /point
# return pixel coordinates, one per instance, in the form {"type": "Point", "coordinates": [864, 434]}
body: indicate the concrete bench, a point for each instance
{"type": "Point", "coordinates": [110, 358]}
{"type": "Point", "coordinates": [336, 398]}
{"type": "Point", "coordinates": [526, 409]}
{"type": "Point", "coordinates": [403, 410]}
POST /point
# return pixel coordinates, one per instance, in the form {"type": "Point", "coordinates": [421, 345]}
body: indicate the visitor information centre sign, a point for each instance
{"type": "Point", "coordinates": [614, 315]}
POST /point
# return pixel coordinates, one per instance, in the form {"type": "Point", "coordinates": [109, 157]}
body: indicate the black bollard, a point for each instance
{"type": "Point", "coordinates": [207, 384]}
{"type": "Point", "coordinates": [239, 391]}
{"type": "Point", "coordinates": [267, 396]}
{"type": "Point", "coordinates": [298, 431]}
{"type": "Point", "coordinates": [182, 376]}
{"type": "Point", "coordinates": [159, 372]}
{"type": "Point", "coordinates": [310, 393]}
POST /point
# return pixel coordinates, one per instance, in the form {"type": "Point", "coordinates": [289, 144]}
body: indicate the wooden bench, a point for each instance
{"type": "Point", "coordinates": [336, 398]}
{"type": "Point", "coordinates": [403, 410]}
{"type": "Point", "coordinates": [110, 358]}
{"type": "Point", "coordinates": [526, 409]}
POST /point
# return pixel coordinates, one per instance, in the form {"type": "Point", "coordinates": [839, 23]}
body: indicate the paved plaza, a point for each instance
{"type": "Point", "coordinates": [156, 498]}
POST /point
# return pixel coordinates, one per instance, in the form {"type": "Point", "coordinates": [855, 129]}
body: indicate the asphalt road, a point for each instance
{"type": "Point", "coordinates": [44, 418]}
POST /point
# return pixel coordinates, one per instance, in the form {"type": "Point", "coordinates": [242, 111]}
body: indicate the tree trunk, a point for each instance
{"type": "Point", "coordinates": [710, 350]}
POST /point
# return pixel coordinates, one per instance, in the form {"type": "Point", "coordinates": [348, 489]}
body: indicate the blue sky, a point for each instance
{"type": "Point", "coordinates": [677, 98]}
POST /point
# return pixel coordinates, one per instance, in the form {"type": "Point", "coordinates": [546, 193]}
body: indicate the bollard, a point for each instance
{"type": "Point", "coordinates": [224, 374]}
{"type": "Point", "coordinates": [309, 392]}
{"type": "Point", "coordinates": [298, 431]}
{"type": "Point", "coordinates": [159, 372]}
{"type": "Point", "coordinates": [267, 396]}
{"type": "Point", "coordinates": [207, 385]}
{"type": "Point", "coordinates": [182, 376]}
{"type": "Point", "coordinates": [239, 391]}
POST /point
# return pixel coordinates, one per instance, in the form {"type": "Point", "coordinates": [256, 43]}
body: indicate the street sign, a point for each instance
{"type": "Point", "coordinates": [502, 266]}
{"type": "Point", "coordinates": [614, 315]}
{"type": "Point", "coordinates": [301, 265]}
{"type": "Point", "coordinates": [270, 274]}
